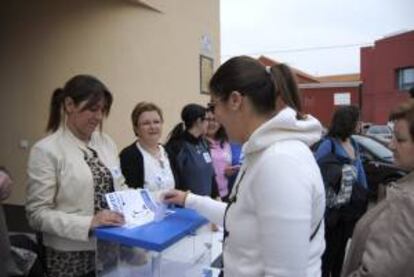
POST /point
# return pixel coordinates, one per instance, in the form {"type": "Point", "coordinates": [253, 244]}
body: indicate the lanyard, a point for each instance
{"type": "Point", "coordinates": [232, 200]}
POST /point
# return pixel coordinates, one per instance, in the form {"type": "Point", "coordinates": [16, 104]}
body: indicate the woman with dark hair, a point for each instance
{"type": "Point", "coordinates": [383, 242]}
{"type": "Point", "coordinates": [145, 163]}
{"type": "Point", "coordinates": [189, 154]}
{"type": "Point", "coordinates": [221, 155]}
{"type": "Point", "coordinates": [273, 222]}
{"type": "Point", "coordinates": [69, 173]}
{"type": "Point", "coordinates": [346, 198]}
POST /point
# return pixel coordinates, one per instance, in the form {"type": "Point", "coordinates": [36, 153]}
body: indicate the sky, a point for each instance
{"type": "Point", "coordinates": [320, 37]}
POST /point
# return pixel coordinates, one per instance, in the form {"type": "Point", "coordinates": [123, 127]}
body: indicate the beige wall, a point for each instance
{"type": "Point", "coordinates": [140, 54]}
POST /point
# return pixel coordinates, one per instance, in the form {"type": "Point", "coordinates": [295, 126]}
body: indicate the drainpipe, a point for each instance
{"type": "Point", "coordinates": [360, 101]}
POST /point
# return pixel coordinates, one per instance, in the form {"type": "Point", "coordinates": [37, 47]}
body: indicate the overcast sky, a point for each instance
{"type": "Point", "coordinates": [320, 37]}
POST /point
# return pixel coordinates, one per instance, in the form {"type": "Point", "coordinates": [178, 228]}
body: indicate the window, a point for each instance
{"type": "Point", "coordinates": [405, 78]}
{"type": "Point", "coordinates": [377, 129]}
{"type": "Point", "coordinates": [342, 98]}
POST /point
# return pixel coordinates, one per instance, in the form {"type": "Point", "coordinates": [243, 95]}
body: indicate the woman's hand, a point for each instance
{"type": "Point", "coordinates": [174, 197]}
{"type": "Point", "coordinates": [214, 227]}
{"type": "Point", "coordinates": [107, 218]}
{"type": "Point", "coordinates": [231, 170]}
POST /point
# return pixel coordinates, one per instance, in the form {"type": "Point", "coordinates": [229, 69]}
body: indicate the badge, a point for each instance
{"type": "Point", "coordinates": [116, 172]}
{"type": "Point", "coordinates": [207, 157]}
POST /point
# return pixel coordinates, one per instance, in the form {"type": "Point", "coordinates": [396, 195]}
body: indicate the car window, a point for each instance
{"type": "Point", "coordinates": [365, 155]}
{"type": "Point", "coordinates": [379, 130]}
{"type": "Point", "coordinates": [375, 147]}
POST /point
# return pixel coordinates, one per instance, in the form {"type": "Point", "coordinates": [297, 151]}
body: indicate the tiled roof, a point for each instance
{"type": "Point", "coordinates": [301, 76]}
{"type": "Point", "coordinates": [340, 78]}
{"type": "Point", "coordinates": [305, 78]}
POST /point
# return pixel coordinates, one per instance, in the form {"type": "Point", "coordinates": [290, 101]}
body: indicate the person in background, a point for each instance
{"type": "Point", "coordinates": [145, 163]}
{"type": "Point", "coordinates": [383, 242]}
{"type": "Point", "coordinates": [7, 264]}
{"type": "Point", "coordinates": [189, 153]}
{"type": "Point", "coordinates": [342, 211]}
{"type": "Point", "coordinates": [69, 173]}
{"type": "Point", "coordinates": [6, 184]}
{"type": "Point", "coordinates": [411, 92]}
{"type": "Point", "coordinates": [19, 254]}
{"type": "Point", "coordinates": [236, 161]}
{"type": "Point", "coordinates": [273, 223]}
{"type": "Point", "coordinates": [221, 154]}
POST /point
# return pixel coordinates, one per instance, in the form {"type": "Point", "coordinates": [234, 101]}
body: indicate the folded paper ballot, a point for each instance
{"type": "Point", "coordinates": [137, 206]}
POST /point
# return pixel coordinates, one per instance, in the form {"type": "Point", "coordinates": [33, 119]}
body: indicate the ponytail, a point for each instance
{"type": "Point", "coordinates": [262, 85]}
{"type": "Point", "coordinates": [55, 110]}
{"type": "Point", "coordinates": [176, 133]}
{"type": "Point", "coordinates": [79, 88]}
{"type": "Point", "coordinates": [286, 88]}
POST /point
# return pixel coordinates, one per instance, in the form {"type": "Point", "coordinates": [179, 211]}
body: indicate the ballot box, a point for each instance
{"type": "Point", "coordinates": [179, 245]}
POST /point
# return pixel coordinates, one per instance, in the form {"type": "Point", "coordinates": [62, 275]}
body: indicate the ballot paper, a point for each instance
{"type": "Point", "coordinates": [137, 206]}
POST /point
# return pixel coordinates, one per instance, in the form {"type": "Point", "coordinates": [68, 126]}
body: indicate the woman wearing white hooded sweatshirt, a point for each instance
{"type": "Point", "coordinates": [273, 225]}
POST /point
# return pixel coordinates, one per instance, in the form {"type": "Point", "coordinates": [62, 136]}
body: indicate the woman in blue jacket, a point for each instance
{"type": "Point", "coordinates": [189, 153]}
{"type": "Point", "coordinates": [345, 197]}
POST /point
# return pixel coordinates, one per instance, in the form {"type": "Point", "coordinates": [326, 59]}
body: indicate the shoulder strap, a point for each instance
{"type": "Point", "coordinates": [333, 147]}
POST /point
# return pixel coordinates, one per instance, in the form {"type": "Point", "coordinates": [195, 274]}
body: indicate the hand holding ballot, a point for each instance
{"type": "Point", "coordinates": [231, 170]}
{"type": "Point", "coordinates": [136, 205]}
{"type": "Point", "coordinates": [174, 197]}
{"type": "Point", "coordinates": [107, 218]}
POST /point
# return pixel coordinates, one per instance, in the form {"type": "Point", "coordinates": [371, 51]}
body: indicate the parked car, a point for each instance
{"type": "Point", "coordinates": [378, 162]}
{"type": "Point", "coordinates": [364, 127]}
{"type": "Point", "coordinates": [380, 132]}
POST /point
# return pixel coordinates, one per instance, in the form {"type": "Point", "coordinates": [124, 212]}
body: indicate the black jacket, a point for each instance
{"type": "Point", "coordinates": [188, 156]}
{"type": "Point", "coordinates": [132, 166]}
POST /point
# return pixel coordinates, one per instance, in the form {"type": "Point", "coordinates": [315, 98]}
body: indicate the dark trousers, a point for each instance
{"type": "Point", "coordinates": [336, 237]}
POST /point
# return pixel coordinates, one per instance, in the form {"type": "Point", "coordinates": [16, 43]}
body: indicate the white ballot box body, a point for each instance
{"type": "Point", "coordinates": [179, 245]}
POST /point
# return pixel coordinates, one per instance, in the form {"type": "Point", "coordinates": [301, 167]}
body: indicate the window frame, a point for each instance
{"type": "Point", "coordinates": [401, 83]}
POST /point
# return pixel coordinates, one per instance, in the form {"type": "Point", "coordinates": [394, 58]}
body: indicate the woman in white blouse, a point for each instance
{"type": "Point", "coordinates": [145, 163]}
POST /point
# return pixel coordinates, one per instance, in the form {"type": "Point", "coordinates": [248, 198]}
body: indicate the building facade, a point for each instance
{"type": "Point", "coordinates": [143, 50]}
{"type": "Point", "coordinates": [387, 73]}
{"type": "Point", "coordinates": [321, 95]}
{"type": "Point", "coordinates": [321, 99]}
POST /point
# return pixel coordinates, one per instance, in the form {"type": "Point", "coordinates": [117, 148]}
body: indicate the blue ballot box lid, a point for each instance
{"type": "Point", "coordinates": [155, 236]}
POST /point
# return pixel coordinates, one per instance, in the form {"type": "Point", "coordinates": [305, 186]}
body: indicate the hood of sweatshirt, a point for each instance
{"type": "Point", "coordinates": [284, 126]}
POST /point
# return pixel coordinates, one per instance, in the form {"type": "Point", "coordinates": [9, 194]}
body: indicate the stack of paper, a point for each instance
{"type": "Point", "coordinates": [137, 206]}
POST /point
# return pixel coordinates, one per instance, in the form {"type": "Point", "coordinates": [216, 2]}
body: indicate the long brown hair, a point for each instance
{"type": "Point", "coordinates": [79, 88]}
{"type": "Point", "coordinates": [262, 86]}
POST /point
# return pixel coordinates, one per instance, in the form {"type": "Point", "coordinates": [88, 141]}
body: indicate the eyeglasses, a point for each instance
{"type": "Point", "coordinates": [211, 106]}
